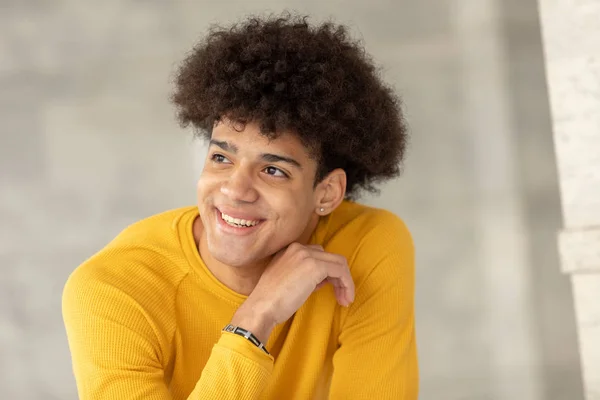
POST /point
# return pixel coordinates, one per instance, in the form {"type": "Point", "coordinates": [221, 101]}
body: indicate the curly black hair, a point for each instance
{"type": "Point", "coordinates": [287, 75]}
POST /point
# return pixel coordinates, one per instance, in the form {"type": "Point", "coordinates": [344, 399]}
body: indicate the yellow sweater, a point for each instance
{"type": "Point", "coordinates": [144, 318]}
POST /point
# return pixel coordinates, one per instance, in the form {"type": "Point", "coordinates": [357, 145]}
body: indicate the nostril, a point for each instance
{"type": "Point", "coordinates": [240, 190]}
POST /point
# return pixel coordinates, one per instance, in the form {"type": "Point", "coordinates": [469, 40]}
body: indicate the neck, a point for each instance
{"type": "Point", "coordinates": [241, 279]}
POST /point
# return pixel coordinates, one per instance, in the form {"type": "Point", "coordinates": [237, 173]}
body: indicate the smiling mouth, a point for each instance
{"type": "Point", "coordinates": [237, 222]}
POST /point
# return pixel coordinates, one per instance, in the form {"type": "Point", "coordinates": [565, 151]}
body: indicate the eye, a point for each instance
{"type": "Point", "coordinates": [220, 159]}
{"type": "Point", "coordinates": [273, 171]}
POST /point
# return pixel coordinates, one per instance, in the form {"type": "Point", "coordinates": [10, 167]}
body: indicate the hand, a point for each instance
{"type": "Point", "coordinates": [287, 282]}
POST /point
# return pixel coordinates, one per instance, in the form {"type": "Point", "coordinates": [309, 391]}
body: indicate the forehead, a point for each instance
{"type": "Point", "coordinates": [248, 139]}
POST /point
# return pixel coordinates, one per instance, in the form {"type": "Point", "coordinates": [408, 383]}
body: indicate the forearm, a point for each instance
{"type": "Point", "coordinates": [256, 319]}
{"type": "Point", "coordinates": [235, 370]}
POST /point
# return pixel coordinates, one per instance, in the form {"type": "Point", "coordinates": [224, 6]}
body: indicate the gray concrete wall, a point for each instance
{"type": "Point", "coordinates": [88, 144]}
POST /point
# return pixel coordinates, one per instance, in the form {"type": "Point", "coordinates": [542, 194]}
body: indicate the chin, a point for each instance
{"type": "Point", "coordinates": [232, 257]}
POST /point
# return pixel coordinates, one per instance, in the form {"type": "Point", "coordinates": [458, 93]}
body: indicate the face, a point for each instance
{"type": "Point", "coordinates": [255, 196]}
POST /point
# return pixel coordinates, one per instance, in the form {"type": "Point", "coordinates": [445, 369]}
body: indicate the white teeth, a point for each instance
{"type": "Point", "coordinates": [237, 222]}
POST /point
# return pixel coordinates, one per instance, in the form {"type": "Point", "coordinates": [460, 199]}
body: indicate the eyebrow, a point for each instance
{"type": "Point", "coordinates": [277, 158]}
{"type": "Point", "coordinates": [268, 157]}
{"type": "Point", "coordinates": [232, 148]}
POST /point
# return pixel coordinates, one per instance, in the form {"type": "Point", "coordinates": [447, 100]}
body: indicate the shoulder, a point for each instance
{"type": "Point", "coordinates": [143, 265]}
{"type": "Point", "coordinates": [370, 238]}
{"type": "Point", "coordinates": [145, 249]}
{"type": "Point", "coordinates": [355, 224]}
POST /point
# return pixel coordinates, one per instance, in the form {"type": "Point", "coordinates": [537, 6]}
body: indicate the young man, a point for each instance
{"type": "Point", "coordinates": [276, 285]}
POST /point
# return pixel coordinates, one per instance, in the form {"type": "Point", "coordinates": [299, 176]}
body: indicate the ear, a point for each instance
{"type": "Point", "coordinates": [330, 192]}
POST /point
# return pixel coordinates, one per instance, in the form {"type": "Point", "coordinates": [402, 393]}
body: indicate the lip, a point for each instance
{"type": "Point", "coordinates": [236, 214]}
{"type": "Point", "coordinates": [225, 227]}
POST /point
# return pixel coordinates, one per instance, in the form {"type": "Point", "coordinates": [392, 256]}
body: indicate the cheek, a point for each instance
{"type": "Point", "coordinates": [205, 185]}
{"type": "Point", "coordinates": [295, 210]}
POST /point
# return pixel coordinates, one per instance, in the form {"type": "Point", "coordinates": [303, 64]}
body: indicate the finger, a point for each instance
{"type": "Point", "coordinates": [315, 247]}
{"type": "Point", "coordinates": [323, 255]}
{"type": "Point", "coordinates": [345, 295]}
{"type": "Point", "coordinates": [332, 281]}
{"type": "Point", "coordinates": [344, 288]}
{"type": "Point", "coordinates": [323, 283]}
{"type": "Point", "coordinates": [340, 294]}
{"type": "Point", "coordinates": [336, 271]}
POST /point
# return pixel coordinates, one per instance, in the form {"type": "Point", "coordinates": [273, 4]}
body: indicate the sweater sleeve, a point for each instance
{"type": "Point", "coordinates": [117, 346]}
{"type": "Point", "coordinates": [377, 355]}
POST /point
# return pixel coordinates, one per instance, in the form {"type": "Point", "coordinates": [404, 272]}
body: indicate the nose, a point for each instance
{"type": "Point", "coordinates": [240, 187]}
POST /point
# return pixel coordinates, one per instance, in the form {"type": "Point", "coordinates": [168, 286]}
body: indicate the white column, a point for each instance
{"type": "Point", "coordinates": [571, 33]}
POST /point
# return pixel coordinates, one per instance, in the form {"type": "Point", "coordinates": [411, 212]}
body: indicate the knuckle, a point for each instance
{"type": "Point", "coordinates": [296, 250]}
{"type": "Point", "coordinates": [294, 247]}
{"type": "Point", "coordinates": [311, 262]}
{"type": "Point", "coordinates": [304, 253]}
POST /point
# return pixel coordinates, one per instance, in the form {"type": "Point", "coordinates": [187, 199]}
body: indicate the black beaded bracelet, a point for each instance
{"type": "Point", "coordinates": [247, 334]}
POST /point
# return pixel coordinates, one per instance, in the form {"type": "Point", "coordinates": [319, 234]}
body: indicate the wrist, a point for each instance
{"type": "Point", "coordinates": [255, 319]}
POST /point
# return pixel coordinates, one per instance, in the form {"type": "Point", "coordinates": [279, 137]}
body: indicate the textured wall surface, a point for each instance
{"type": "Point", "coordinates": [572, 44]}
{"type": "Point", "coordinates": [89, 144]}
